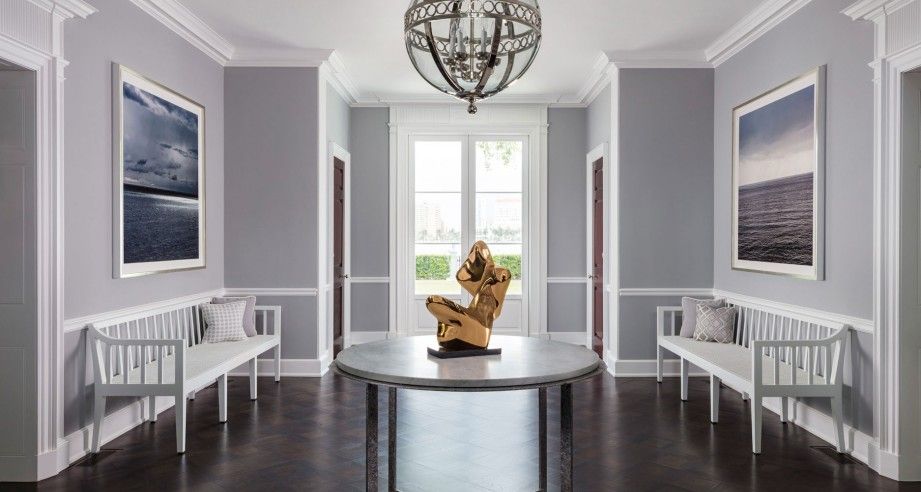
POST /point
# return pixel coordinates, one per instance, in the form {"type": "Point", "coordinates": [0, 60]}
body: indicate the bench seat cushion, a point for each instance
{"type": "Point", "coordinates": [203, 358]}
{"type": "Point", "coordinates": [734, 359]}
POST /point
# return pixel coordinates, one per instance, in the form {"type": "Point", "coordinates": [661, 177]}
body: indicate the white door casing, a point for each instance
{"type": "Point", "coordinates": [31, 37]}
{"type": "Point", "coordinates": [411, 120]}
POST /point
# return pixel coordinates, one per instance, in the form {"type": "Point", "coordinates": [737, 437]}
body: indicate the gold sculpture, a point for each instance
{"type": "Point", "coordinates": [467, 328]}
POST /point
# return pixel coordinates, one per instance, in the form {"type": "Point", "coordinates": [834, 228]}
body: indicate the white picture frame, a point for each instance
{"type": "Point", "coordinates": [778, 180]}
{"type": "Point", "coordinates": [158, 201]}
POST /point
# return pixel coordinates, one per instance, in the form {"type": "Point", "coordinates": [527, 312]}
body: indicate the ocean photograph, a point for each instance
{"type": "Point", "coordinates": [161, 172]}
{"type": "Point", "coordinates": [775, 178]}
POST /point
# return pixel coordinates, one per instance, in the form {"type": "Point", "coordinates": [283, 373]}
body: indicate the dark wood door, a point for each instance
{"type": "Point", "coordinates": [339, 273]}
{"type": "Point", "coordinates": [598, 257]}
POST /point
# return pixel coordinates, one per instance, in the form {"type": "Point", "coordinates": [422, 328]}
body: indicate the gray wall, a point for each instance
{"type": "Point", "coordinates": [369, 142]}
{"type": "Point", "coordinates": [665, 126]}
{"type": "Point", "coordinates": [112, 35]}
{"type": "Point", "coordinates": [816, 35]}
{"type": "Point", "coordinates": [566, 175]}
{"type": "Point", "coordinates": [271, 191]}
{"type": "Point", "coordinates": [337, 118]}
{"type": "Point", "coordinates": [599, 119]}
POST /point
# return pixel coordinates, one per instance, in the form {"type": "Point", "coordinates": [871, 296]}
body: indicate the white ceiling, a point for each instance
{"type": "Point", "coordinates": [368, 36]}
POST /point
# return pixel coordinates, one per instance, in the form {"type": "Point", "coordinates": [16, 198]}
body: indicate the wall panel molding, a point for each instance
{"type": "Point", "coordinates": [272, 291]}
{"type": "Point", "coordinates": [665, 292]}
{"type": "Point", "coordinates": [133, 312]}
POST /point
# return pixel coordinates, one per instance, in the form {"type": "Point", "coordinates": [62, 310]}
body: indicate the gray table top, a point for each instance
{"type": "Point", "coordinates": [524, 363]}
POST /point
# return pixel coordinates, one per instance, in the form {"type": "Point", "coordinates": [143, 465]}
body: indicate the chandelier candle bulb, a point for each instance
{"type": "Point", "coordinates": [472, 49]}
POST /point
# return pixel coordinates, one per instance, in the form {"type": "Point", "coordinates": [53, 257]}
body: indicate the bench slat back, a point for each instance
{"type": "Point", "coordinates": [819, 362]}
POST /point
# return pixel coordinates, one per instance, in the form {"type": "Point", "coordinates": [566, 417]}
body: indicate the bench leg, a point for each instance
{"type": "Point", "coordinates": [252, 379]}
{"type": "Point", "coordinates": [837, 412]}
{"type": "Point", "coordinates": [756, 424]}
{"type": "Point", "coordinates": [714, 398]}
{"type": "Point", "coordinates": [783, 409]}
{"type": "Point", "coordinates": [222, 398]}
{"type": "Point", "coordinates": [659, 357]}
{"type": "Point", "coordinates": [152, 409]}
{"type": "Point", "coordinates": [278, 363]}
{"type": "Point", "coordinates": [684, 380]}
{"type": "Point", "coordinates": [180, 423]}
{"type": "Point", "coordinates": [99, 412]}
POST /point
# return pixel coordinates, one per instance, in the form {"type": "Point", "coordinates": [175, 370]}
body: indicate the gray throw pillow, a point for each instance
{"type": "Point", "coordinates": [225, 322]}
{"type": "Point", "coordinates": [249, 315]}
{"type": "Point", "coordinates": [689, 313]}
{"type": "Point", "coordinates": [715, 324]}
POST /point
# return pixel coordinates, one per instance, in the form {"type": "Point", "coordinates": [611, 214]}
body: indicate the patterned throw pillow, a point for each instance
{"type": "Point", "coordinates": [689, 313]}
{"type": "Point", "coordinates": [224, 322]}
{"type": "Point", "coordinates": [249, 315]}
{"type": "Point", "coordinates": [715, 324]}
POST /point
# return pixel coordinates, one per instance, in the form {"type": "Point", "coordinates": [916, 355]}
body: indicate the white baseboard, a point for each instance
{"type": "Point", "coordinates": [627, 368]}
{"type": "Point", "coordinates": [858, 444]}
{"type": "Point", "coordinates": [893, 466]}
{"type": "Point", "coordinates": [114, 425]}
{"type": "Point", "coordinates": [821, 425]}
{"type": "Point", "coordinates": [573, 337]}
{"type": "Point", "coordinates": [289, 368]}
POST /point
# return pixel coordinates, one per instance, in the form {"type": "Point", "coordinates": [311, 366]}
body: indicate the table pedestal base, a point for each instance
{"type": "Point", "coordinates": [371, 441]}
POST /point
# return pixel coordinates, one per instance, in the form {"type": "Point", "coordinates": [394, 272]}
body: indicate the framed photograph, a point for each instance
{"type": "Point", "coordinates": [778, 180]}
{"type": "Point", "coordinates": [159, 177]}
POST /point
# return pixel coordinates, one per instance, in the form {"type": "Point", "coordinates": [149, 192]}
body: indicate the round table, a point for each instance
{"type": "Point", "coordinates": [525, 363]}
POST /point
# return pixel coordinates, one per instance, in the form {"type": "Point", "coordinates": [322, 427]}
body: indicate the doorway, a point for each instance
{"type": "Point", "coordinates": [597, 275]}
{"type": "Point", "coordinates": [596, 220]}
{"type": "Point", "coordinates": [18, 248]}
{"type": "Point", "coordinates": [340, 271]}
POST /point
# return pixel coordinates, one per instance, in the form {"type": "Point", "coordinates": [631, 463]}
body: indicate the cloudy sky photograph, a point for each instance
{"type": "Point", "coordinates": [778, 140]}
{"type": "Point", "coordinates": [161, 143]}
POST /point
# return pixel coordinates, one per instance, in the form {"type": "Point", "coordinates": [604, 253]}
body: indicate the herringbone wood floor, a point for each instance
{"type": "Point", "coordinates": [308, 434]}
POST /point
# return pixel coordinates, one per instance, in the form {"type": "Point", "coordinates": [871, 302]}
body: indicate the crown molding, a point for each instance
{"type": "Point", "coordinates": [383, 100]}
{"type": "Point", "coordinates": [873, 9]}
{"type": "Point", "coordinates": [69, 8]}
{"type": "Point", "coordinates": [185, 23]}
{"type": "Point", "coordinates": [598, 79]}
{"type": "Point", "coordinates": [866, 9]}
{"type": "Point", "coordinates": [761, 20]}
{"type": "Point", "coordinates": [299, 58]}
{"type": "Point", "coordinates": [659, 59]}
{"type": "Point", "coordinates": [178, 18]}
{"type": "Point", "coordinates": [340, 80]}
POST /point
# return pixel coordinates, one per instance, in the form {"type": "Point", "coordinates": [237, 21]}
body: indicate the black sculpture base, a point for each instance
{"type": "Point", "coordinates": [454, 354]}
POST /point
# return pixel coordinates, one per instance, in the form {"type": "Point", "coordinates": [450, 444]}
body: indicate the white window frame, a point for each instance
{"type": "Point", "coordinates": [408, 122]}
{"type": "Point", "coordinates": [469, 192]}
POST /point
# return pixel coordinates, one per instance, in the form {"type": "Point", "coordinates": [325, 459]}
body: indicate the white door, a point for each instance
{"type": "Point", "coordinates": [467, 188]}
{"type": "Point", "coordinates": [18, 266]}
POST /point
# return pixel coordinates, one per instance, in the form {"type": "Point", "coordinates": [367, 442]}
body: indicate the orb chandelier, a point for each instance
{"type": "Point", "coordinates": [472, 49]}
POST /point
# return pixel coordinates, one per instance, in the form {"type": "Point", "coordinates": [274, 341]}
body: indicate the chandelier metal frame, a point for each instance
{"type": "Point", "coordinates": [474, 60]}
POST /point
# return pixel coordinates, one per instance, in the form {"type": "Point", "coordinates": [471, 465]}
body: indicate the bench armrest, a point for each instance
{"type": "Point", "coordinates": [118, 356]}
{"type": "Point", "coordinates": [666, 321]}
{"type": "Point", "coordinates": [820, 357]}
{"type": "Point", "coordinates": [262, 328]}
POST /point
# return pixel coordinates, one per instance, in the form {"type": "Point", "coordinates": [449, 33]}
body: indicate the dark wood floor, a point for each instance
{"type": "Point", "coordinates": [308, 434]}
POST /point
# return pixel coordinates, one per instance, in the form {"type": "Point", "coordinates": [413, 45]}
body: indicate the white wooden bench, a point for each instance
{"type": "Point", "coordinates": [775, 354]}
{"type": "Point", "coordinates": [162, 354]}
